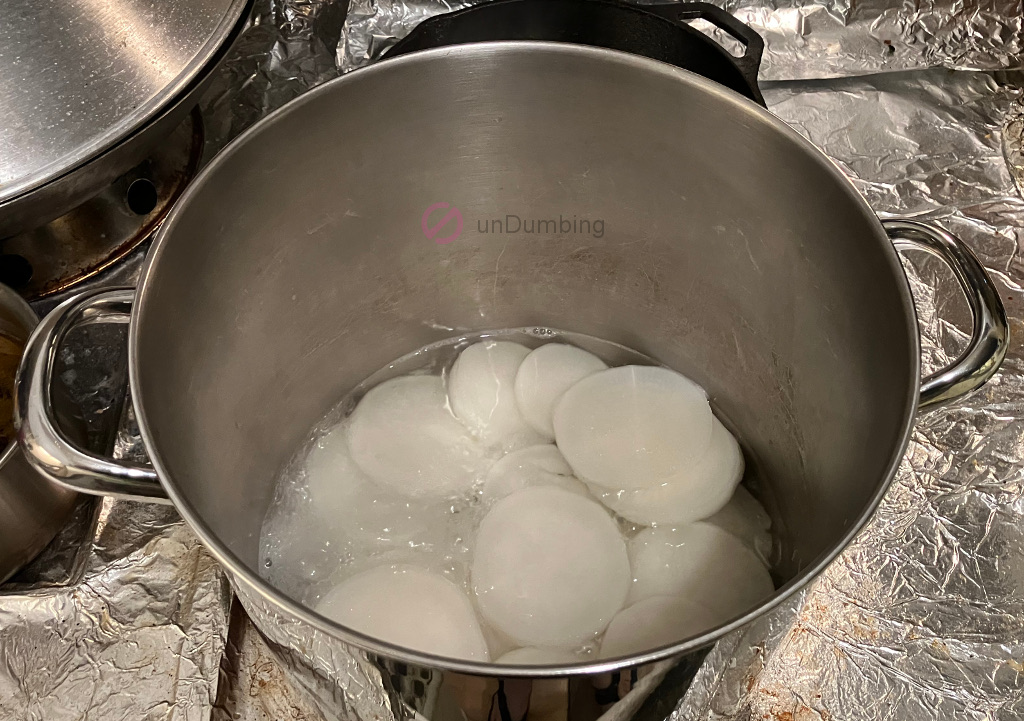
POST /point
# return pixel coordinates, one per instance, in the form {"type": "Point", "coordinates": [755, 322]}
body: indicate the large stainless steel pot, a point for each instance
{"type": "Point", "coordinates": [302, 259]}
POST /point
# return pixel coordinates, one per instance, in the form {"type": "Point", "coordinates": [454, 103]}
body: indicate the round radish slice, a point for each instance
{"type": "Point", "coordinates": [545, 374]}
{"type": "Point", "coordinates": [702, 563]}
{"type": "Point", "coordinates": [481, 390]}
{"type": "Point", "coordinates": [532, 466]}
{"type": "Point", "coordinates": [744, 517]}
{"type": "Point", "coordinates": [403, 436]}
{"type": "Point", "coordinates": [352, 505]}
{"type": "Point", "coordinates": [694, 493]}
{"type": "Point", "coordinates": [544, 458]}
{"type": "Point", "coordinates": [550, 567]}
{"type": "Point", "coordinates": [632, 426]}
{"type": "Point", "coordinates": [409, 607]}
{"type": "Point", "coordinates": [655, 622]}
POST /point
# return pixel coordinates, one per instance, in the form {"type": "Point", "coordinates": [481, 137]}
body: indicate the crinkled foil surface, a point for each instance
{"type": "Point", "coordinates": [923, 616]}
{"type": "Point", "coordinates": [136, 633]}
{"type": "Point", "coordinates": [803, 40]}
{"type": "Point", "coordinates": [125, 616]}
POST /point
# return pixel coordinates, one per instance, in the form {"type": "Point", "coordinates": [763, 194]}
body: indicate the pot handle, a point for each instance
{"type": "Point", "coordinates": [990, 337]}
{"type": "Point", "coordinates": [753, 44]}
{"type": "Point", "coordinates": [55, 456]}
{"type": "Point", "coordinates": [45, 445]}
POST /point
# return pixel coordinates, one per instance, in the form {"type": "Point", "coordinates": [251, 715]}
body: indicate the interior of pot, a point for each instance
{"type": "Point", "coordinates": [298, 264]}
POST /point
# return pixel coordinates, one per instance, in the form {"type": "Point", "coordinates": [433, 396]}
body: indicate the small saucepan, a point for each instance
{"type": "Point", "coordinates": [32, 507]}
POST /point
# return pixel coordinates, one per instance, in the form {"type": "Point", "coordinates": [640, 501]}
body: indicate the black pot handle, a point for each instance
{"type": "Point", "coordinates": [753, 46]}
{"type": "Point", "coordinates": [660, 32]}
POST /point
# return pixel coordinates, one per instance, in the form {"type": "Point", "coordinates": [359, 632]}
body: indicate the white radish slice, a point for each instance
{"type": "Point", "coordinates": [352, 505]}
{"type": "Point", "coordinates": [498, 643]}
{"type": "Point", "coordinates": [481, 390]}
{"type": "Point", "coordinates": [539, 656]}
{"type": "Point", "coordinates": [545, 458]}
{"type": "Point", "coordinates": [409, 607]}
{"type": "Point", "coordinates": [632, 426]}
{"type": "Point", "coordinates": [703, 564]}
{"type": "Point", "coordinates": [550, 567]}
{"type": "Point", "coordinates": [403, 436]}
{"type": "Point", "coordinates": [655, 622]}
{"type": "Point", "coordinates": [696, 492]}
{"type": "Point", "coordinates": [744, 517]}
{"type": "Point", "coordinates": [545, 374]}
{"type": "Point", "coordinates": [527, 467]}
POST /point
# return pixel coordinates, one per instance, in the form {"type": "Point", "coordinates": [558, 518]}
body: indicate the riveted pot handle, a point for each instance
{"type": "Point", "coordinates": [990, 337]}
{"type": "Point", "coordinates": [45, 445]}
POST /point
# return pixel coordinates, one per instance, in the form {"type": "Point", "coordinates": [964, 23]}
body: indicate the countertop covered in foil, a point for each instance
{"type": "Point", "coordinates": [923, 616]}
{"type": "Point", "coordinates": [135, 633]}
{"type": "Point", "coordinates": [803, 39]}
{"type": "Point", "coordinates": [126, 616]}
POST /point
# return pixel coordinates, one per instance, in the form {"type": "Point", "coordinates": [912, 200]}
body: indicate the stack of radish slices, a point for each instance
{"type": "Point", "coordinates": [605, 513]}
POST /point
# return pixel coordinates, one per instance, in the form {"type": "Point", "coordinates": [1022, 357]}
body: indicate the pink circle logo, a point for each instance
{"type": "Point", "coordinates": [432, 231]}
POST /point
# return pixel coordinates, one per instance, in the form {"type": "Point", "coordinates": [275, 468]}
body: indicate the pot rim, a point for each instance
{"type": "Point", "coordinates": [241, 572]}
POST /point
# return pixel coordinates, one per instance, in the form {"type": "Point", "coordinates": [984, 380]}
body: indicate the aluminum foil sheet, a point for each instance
{"type": "Point", "coordinates": [803, 38]}
{"type": "Point", "coordinates": [126, 617]}
{"type": "Point", "coordinates": [288, 47]}
{"type": "Point", "coordinates": [255, 684]}
{"type": "Point", "coordinates": [923, 616]}
{"type": "Point", "coordinates": [135, 637]}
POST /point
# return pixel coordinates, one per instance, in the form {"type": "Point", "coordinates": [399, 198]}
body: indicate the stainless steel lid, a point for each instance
{"type": "Point", "coordinates": [78, 76]}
